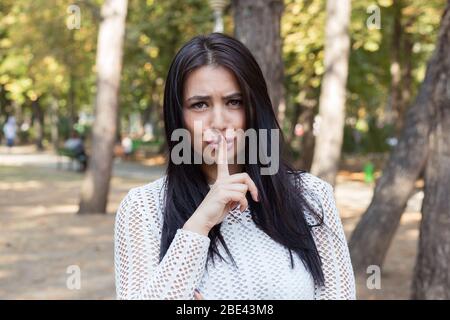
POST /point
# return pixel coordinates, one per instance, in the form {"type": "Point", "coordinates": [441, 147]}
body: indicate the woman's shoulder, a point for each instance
{"type": "Point", "coordinates": [319, 195]}
{"type": "Point", "coordinates": [143, 202]}
{"type": "Point", "coordinates": [311, 183]}
{"type": "Point", "coordinates": [147, 191]}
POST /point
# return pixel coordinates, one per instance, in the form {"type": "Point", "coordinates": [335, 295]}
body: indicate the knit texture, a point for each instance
{"type": "Point", "coordinates": [263, 266]}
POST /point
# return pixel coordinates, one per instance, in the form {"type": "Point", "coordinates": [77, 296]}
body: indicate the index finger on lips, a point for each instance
{"type": "Point", "coordinates": [222, 159]}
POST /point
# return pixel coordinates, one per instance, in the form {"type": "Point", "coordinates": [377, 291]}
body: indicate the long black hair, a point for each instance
{"type": "Point", "coordinates": [280, 211]}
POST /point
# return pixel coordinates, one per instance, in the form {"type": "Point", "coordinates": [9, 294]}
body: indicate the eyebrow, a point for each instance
{"type": "Point", "coordinates": [233, 95]}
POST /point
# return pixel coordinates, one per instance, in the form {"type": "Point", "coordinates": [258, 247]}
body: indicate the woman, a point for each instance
{"type": "Point", "coordinates": [219, 228]}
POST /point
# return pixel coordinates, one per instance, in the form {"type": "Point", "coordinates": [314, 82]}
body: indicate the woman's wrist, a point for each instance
{"type": "Point", "coordinates": [196, 225]}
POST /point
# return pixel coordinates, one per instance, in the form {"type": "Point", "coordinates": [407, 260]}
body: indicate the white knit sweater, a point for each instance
{"type": "Point", "coordinates": [264, 269]}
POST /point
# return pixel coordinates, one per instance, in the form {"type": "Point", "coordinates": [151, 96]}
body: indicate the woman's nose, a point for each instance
{"type": "Point", "coordinates": [219, 118]}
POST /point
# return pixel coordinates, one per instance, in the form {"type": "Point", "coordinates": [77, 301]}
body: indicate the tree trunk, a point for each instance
{"type": "Point", "coordinates": [373, 234]}
{"type": "Point", "coordinates": [95, 188]}
{"type": "Point", "coordinates": [19, 111]}
{"type": "Point", "coordinates": [71, 101]}
{"type": "Point", "coordinates": [332, 97]}
{"type": "Point", "coordinates": [146, 116]}
{"type": "Point", "coordinates": [118, 137]}
{"type": "Point", "coordinates": [308, 140]}
{"type": "Point", "coordinates": [38, 123]}
{"type": "Point", "coordinates": [5, 109]}
{"type": "Point", "coordinates": [395, 99]}
{"type": "Point", "coordinates": [401, 68]}
{"type": "Point", "coordinates": [407, 80]}
{"type": "Point", "coordinates": [432, 271]}
{"type": "Point", "coordinates": [257, 25]}
{"type": "Point", "coordinates": [54, 133]}
{"type": "Point", "coordinates": [304, 115]}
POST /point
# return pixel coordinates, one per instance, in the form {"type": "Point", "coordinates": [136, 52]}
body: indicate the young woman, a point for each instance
{"type": "Point", "coordinates": [220, 228]}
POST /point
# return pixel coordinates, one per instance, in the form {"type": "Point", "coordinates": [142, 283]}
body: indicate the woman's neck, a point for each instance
{"type": "Point", "coordinates": [210, 171]}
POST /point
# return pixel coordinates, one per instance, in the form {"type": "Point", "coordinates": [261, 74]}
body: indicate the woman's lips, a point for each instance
{"type": "Point", "coordinates": [215, 145]}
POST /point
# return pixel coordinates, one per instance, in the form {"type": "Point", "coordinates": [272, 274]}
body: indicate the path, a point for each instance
{"type": "Point", "coordinates": [41, 235]}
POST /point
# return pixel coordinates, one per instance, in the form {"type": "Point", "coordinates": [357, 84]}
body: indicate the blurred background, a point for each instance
{"type": "Point", "coordinates": [361, 90]}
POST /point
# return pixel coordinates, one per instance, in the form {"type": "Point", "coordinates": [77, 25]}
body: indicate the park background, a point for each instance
{"type": "Point", "coordinates": [361, 90]}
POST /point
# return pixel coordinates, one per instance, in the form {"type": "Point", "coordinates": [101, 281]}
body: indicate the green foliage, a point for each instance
{"type": "Point", "coordinates": [40, 57]}
{"type": "Point", "coordinates": [155, 32]}
{"type": "Point", "coordinates": [303, 25]}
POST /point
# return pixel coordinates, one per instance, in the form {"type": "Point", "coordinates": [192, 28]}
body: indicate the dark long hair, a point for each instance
{"type": "Point", "coordinates": [280, 213]}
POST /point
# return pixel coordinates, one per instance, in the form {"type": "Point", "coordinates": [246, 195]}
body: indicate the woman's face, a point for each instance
{"type": "Point", "coordinates": [212, 101]}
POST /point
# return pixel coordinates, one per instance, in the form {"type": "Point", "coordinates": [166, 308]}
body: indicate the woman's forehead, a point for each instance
{"type": "Point", "coordinates": [211, 80]}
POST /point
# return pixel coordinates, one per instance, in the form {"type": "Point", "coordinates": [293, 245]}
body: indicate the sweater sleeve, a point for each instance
{"type": "Point", "coordinates": [332, 246]}
{"type": "Point", "coordinates": [137, 238]}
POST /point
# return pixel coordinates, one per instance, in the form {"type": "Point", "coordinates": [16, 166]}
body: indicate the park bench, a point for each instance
{"type": "Point", "coordinates": [64, 152]}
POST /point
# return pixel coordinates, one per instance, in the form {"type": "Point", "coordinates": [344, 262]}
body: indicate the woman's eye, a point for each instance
{"type": "Point", "coordinates": [199, 106]}
{"type": "Point", "coordinates": [235, 103]}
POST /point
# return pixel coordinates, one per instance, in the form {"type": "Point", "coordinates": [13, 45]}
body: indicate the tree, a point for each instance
{"type": "Point", "coordinates": [149, 50]}
{"type": "Point", "coordinates": [40, 67]}
{"type": "Point", "coordinates": [400, 64]}
{"type": "Point", "coordinates": [373, 234]}
{"type": "Point", "coordinates": [431, 276]}
{"type": "Point", "coordinates": [257, 25]}
{"type": "Point", "coordinates": [303, 41]}
{"type": "Point", "coordinates": [395, 101]}
{"type": "Point", "coordinates": [95, 188]}
{"type": "Point", "coordinates": [332, 98]}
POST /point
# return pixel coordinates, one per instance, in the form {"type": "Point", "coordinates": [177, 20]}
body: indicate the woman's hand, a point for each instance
{"type": "Point", "coordinates": [198, 295]}
{"type": "Point", "coordinates": [224, 195]}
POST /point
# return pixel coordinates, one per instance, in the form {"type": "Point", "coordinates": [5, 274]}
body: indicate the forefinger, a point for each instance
{"type": "Point", "coordinates": [222, 159]}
